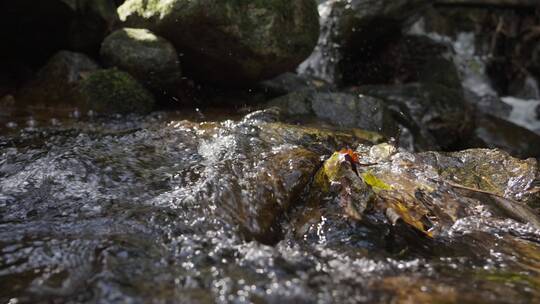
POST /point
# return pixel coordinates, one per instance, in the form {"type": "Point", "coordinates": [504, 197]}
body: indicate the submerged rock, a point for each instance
{"type": "Point", "coordinates": [231, 42]}
{"type": "Point", "coordinates": [150, 59]}
{"type": "Point", "coordinates": [493, 171]}
{"type": "Point", "coordinates": [263, 166]}
{"type": "Point", "coordinates": [427, 191]}
{"type": "Point", "coordinates": [114, 91]}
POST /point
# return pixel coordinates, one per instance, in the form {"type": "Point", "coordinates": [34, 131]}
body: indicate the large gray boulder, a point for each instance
{"type": "Point", "coordinates": [150, 59]}
{"type": "Point", "coordinates": [231, 42]}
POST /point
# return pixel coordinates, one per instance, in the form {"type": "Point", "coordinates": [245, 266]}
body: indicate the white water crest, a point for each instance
{"type": "Point", "coordinates": [524, 112]}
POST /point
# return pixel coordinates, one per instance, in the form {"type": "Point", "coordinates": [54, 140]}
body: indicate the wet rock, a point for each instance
{"type": "Point", "coordinates": [150, 59]}
{"type": "Point", "coordinates": [488, 104]}
{"type": "Point", "coordinates": [494, 171]}
{"type": "Point", "coordinates": [56, 84]}
{"type": "Point", "coordinates": [114, 91]}
{"type": "Point", "coordinates": [289, 82]}
{"type": "Point", "coordinates": [538, 112]}
{"type": "Point", "coordinates": [343, 110]}
{"type": "Point", "coordinates": [499, 133]}
{"type": "Point", "coordinates": [284, 171]}
{"type": "Point", "coordinates": [231, 42]}
{"type": "Point", "coordinates": [437, 116]}
{"type": "Point", "coordinates": [286, 174]}
{"type": "Point", "coordinates": [351, 31]}
{"type": "Point", "coordinates": [428, 191]}
{"type": "Point", "coordinates": [31, 31]}
{"type": "Point", "coordinates": [408, 59]}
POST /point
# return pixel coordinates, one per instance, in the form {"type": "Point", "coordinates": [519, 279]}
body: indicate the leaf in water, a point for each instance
{"type": "Point", "coordinates": [353, 155]}
{"type": "Point", "coordinates": [375, 182]}
{"type": "Point", "coordinates": [398, 210]}
{"type": "Point", "coordinates": [338, 175]}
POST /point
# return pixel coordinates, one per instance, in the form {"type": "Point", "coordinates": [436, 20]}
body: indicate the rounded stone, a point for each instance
{"type": "Point", "coordinates": [150, 59]}
{"type": "Point", "coordinates": [114, 91]}
{"type": "Point", "coordinates": [231, 42]}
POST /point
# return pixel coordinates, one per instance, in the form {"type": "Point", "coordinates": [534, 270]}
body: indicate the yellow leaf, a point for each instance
{"type": "Point", "coordinates": [375, 183]}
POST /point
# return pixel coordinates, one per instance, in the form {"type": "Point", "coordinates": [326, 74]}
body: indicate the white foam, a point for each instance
{"type": "Point", "coordinates": [524, 112]}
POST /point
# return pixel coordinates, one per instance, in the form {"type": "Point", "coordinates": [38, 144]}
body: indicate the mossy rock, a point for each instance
{"type": "Point", "coordinates": [234, 42]}
{"type": "Point", "coordinates": [114, 91]}
{"type": "Point", "coordinates": [56, 84]}
{"type": "Point", "coordinates": [430, 191]}
{"type": "Point", "coordinates": [150, 59]}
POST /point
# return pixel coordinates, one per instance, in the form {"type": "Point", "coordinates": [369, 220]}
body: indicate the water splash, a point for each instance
{"type": "Point", "coordinates": [138, 209]}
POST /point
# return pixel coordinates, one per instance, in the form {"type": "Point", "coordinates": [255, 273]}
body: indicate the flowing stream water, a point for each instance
{"type": "Point", "coordinates": [146, 209]}
{"type": "Point", "coordinates": [155, 209]}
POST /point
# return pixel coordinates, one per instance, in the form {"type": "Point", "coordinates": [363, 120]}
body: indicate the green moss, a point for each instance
{"type": "Point", "coordinates": [259, 39]}
{"type": "Point", "coordinates": [150, 59]}
{"type": "Point", "coordinates": [507, 277]}
{"type": "Point", "coordinates": [114, 91]}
